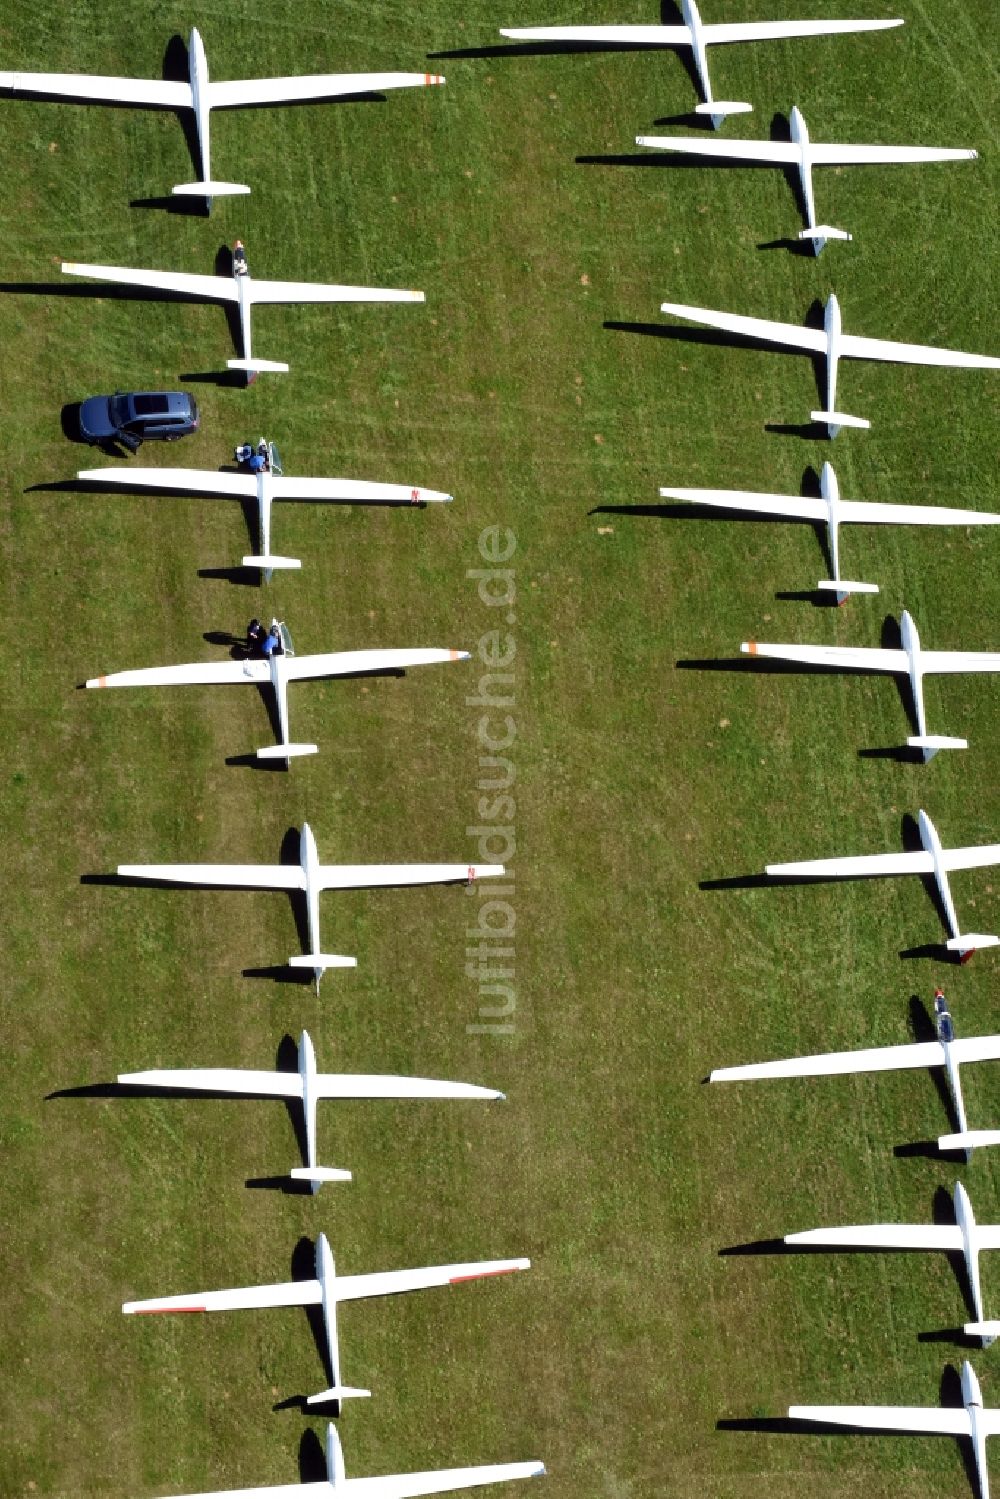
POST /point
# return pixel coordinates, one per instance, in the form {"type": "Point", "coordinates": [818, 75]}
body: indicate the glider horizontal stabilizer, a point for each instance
{"type": "Point", "coordinates": [969, 1139]}
{"type": "Point", "coordinates": [320, 959]}
{"type": "Point", "coordinates": [337, 1392]}
{"type": "Point", "coordinates": [319, 1174]}
{"type": "Point", "coordinates": [286, 751]}
{"type": "Point", "coordinates": [824, 232]}
{"type": "Point", "coordinates": [271, 564]}
{"type": "Point", "coordinates": [840, 418]}
{"type": "Point", "coordinates": [936, 742]}
{"type": "Point", "coordinates": [831, 585]}
{"type": "Point", "coordinates": [209, 189]}
{"type": "Point", "coordinates": [258, 366]}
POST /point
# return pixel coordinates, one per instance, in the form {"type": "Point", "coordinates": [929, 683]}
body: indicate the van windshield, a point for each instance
{"type": "Point", "coordinates": [118, 410]}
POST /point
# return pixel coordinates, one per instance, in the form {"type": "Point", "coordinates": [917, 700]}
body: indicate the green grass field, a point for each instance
{"type": "Point", "coordinates": [609, 1164]}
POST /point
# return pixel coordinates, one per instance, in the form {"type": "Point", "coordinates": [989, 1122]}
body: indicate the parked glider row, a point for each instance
{"type": "Point", "coordinates": [201, 95]}
{"type": "Point", "coordinates": [965, 1237]}
{"type": "Point", "coordinates": [830, 345]}
{"type": "Point", "coordinates": [306, 1085]}
{"type": "Point", "coordinates": [798, 151]}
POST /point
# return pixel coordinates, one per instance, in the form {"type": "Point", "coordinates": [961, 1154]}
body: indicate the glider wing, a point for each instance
{"type": "Point", "coordinates": [251, 91]}
{"type": "Point", "coordinates": [152, 92]}
{"type": "Point", "coordinates": [212, 288]}
{"type": "Point", "coordinates": [388, 1282]}
{"type": "Point", "coordinates": [874, 1059]}
{"type": "Point", "coordinates": [812, 340]}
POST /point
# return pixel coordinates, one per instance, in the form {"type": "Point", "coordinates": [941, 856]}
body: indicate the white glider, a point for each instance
{"type": "Point", "coordinates": [326, 1291]}
{"type": "Point", "coordinates": [832, 344]}
{"type": "Point", "coordinates": [804, 154]}
{"type": "Point", "coordinates": [271, 484]}
{"type": "Point", "coordinates": [309, 1086]}
{"type": "Point", "coordinates": [698, 37]}
{"type": "Point", "coordinates": [833, 512]}
{"type": "Point", "coordinates": [947, 1052]}
{"type": "Point", "coordinates": [968, 1420]}
{"type": "Point", "coordinates": [932, 860]}
{"type": "Point", "coordinates": [277, 671]}
{"type": "Point", "coordinates": [401, 1486]}
{"type": "Point", "coordinates": [965, 1236]}
{"type": "Point", "coordinates": [911, 661]}
{"type": "Point", "coordinates": [202, 96]}
{"type": "Point", "coordinates": [310, 876]}
{"type": "Point", "coordinates": [240, 288]}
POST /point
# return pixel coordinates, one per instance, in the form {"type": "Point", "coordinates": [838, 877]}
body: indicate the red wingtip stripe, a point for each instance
{"type": "Point", "coordinates": [457, 1280]}
{"type": "Point", "coordinates": [158, 1311]}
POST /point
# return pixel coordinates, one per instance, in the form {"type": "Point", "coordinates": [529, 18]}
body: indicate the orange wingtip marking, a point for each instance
{"type": "Point", "coordinates": [751, 647]}
{"type": "Point", "coordinates": [454, 655]}
{"type": "Point", "coordinates": [102, 681]}
{"type": "Point", "coordinates": [432, 78]}
{"type": "Point", "coordinates": [457, 1280]}
{"type": "Point", "coordinates": [162, 1311]}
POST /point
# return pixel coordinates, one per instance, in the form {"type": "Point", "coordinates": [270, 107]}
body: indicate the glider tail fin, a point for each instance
{"type": "Point", "coordinates": [988, 1331]}
{"type": "Point", "coordinates": [317, 1175]}
{"type": "Point", "coordinates": [931, 743]}
{"type": "Point", "coordinates": [319, 962]}
{"type": "Point", "coordinates": [269, 564]}
{"type": "Point", "coordinates": [834, 420]}
{"type": "Point", "coordinates": [286, 751]}
{"type": "Point", "coordinates": [969, 1139]}
{"type": "Point", "coordinates": [256, 366]}
{"type": "Point", "coordinates": [821, 234]}
{"type": "Point", "coordinates": [719, 110]}
{"type": "Point", "coordinates": [337, 1393]}
{"type": "Point", "coordinates": [209, 190]}
{"type": "Point", "coordinates": [843, 588]}
{"type": "Point", "coordinates": [966, 943]}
